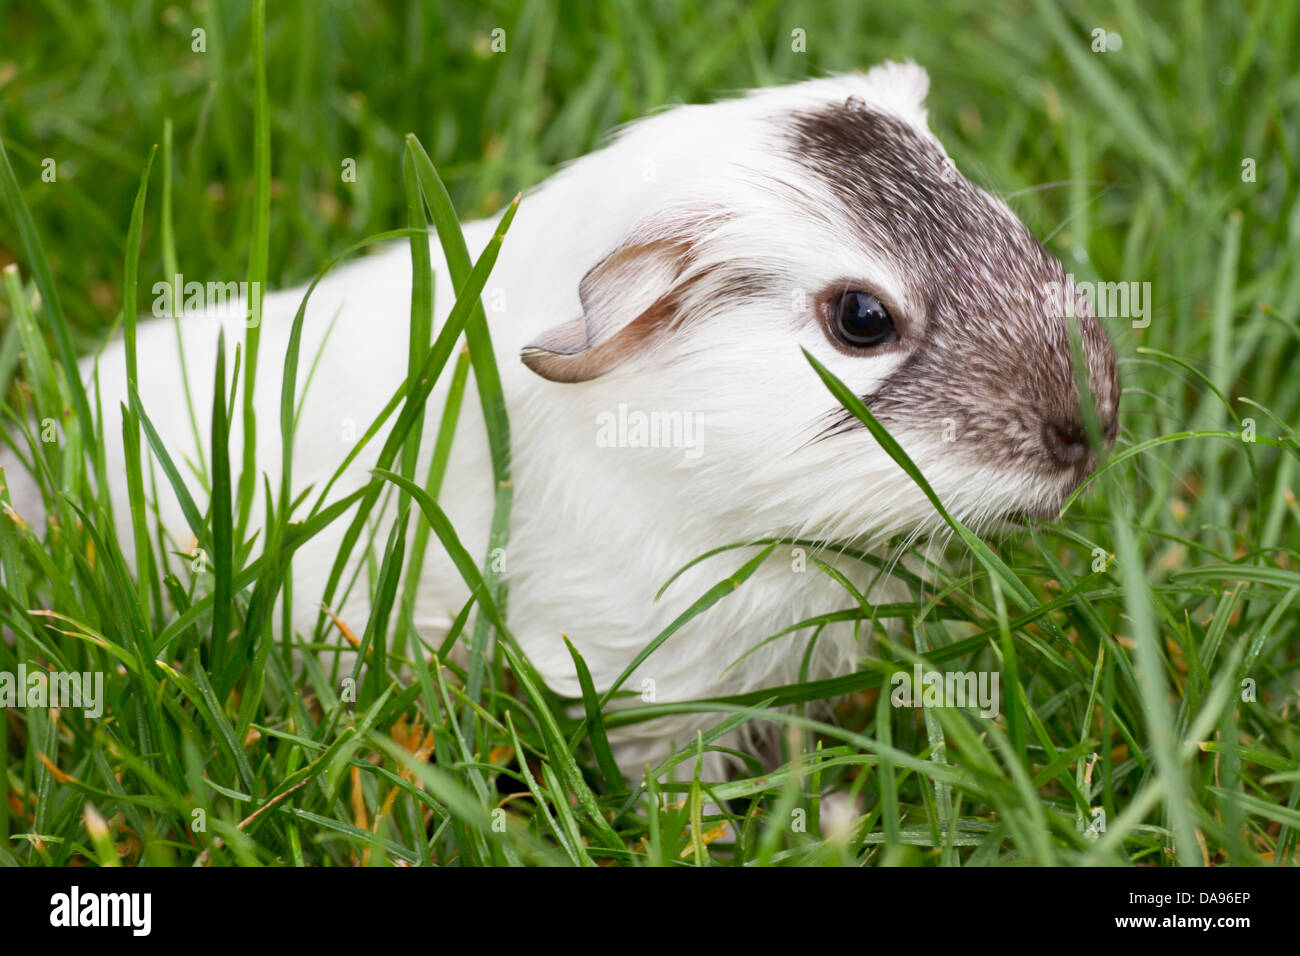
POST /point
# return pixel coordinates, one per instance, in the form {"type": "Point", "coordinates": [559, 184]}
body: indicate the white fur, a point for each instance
{"type": "Point", "coordinates": [596, 531]}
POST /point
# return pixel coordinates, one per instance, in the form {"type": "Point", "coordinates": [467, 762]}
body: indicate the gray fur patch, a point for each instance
{"type": "Point", "coordinates": [994, 359]}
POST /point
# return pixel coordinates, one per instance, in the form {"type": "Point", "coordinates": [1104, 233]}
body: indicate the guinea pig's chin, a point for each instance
{"type": "Point", "coordinates": [998, 502]}
{"type": "Point", "coordinates": [1016, 519]}
{"type": "Point", "coordinates": [1036, 506]}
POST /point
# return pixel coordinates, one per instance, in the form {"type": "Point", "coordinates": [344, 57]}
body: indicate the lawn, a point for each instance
{"type": "Point", "coordinates": [1148, 643]}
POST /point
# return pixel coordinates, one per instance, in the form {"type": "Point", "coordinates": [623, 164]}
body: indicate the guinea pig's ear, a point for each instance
{"type": "Point", "coordinates": [900, 87]}
{"type": "Point", "coordinates": [626, 301]}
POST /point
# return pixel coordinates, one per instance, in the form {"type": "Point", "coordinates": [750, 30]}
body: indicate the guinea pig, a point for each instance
{"type": "Point", "coordinates": [649, 311]}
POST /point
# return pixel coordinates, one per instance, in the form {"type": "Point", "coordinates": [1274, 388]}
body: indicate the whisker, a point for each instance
{"type": "Point", "coordinates": [1051, 235]}
{"type": "Point", "coordinates": [1043, 187]}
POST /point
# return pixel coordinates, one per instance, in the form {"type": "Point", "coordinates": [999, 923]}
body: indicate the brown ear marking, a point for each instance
{"type": "Point", "coordinates": [628, 299]}
{"type": "Point", "coordinates": [564, 354]}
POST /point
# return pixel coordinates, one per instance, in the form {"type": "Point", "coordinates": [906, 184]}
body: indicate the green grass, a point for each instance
{"type": "Point", "coordinates": [1122, 634]}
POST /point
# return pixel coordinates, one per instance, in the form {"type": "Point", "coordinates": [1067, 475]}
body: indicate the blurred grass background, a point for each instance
{"type": "Point", "coordinates": [1150, 136]}
{"type": "Point", "coordinates": [1132, 165]}
{"type": "Point", "coordinates": [1128, 162]}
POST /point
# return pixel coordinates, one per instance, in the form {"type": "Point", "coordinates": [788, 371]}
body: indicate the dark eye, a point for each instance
{"type": "Point", "coordinates": [860, 320]}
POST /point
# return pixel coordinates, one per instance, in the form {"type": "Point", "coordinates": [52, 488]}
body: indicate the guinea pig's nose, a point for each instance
{"type": "Point", "coordinates": [1066, 441]}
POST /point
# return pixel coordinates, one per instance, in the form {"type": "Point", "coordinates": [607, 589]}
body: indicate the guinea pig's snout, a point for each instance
{"type": "Point", "coordinates": [1064, 436]}
{"type": "Point", "coordinates": [1066, 442]}
{"type": "Point", "coordinates": [1065, 439]}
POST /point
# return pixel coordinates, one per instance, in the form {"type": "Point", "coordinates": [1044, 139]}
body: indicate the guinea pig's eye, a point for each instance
{"type": "Point", "coordinates": [860, 320]}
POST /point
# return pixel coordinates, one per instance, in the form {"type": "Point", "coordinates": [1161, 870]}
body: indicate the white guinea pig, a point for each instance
{"type": "Point", "coordinates": [648, 312]}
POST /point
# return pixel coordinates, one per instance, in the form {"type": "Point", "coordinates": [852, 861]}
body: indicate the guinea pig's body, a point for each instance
{"type": "Point", "coordinates": [659, 292]}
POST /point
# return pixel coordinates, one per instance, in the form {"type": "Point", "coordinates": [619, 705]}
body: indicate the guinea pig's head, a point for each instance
{"type": "Point", "coordinates": [826, 217]}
